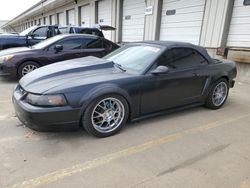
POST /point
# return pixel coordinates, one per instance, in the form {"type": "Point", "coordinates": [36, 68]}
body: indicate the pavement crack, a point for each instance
{"type": "Point", "coordinates": [194, 159]}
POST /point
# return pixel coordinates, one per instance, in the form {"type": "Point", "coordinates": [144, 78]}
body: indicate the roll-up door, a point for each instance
{"type": "Point", "coordinates": [104, 15]}
{"type": "Point", "coordinates": [239, 31]}
{"type": "Point", "coordinates": [71, 17]}
{"type": "Point", "coordinates": [61, 18]}
{"type": "Point", "coordinates": [133, 20]}
{"type": "Point", "coordinates": [46, 20]}
{"type": "Point", "coordinates": [52, 20]}
{"type": "Point", "coordinates": [182, 20]}
{"type": "Point", "coordinates": [85, 16]}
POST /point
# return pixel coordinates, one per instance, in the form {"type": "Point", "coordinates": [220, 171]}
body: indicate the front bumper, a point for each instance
{"type": "Point", "coordinates": [45, 119]}
{"type": "Point", "coordinates": [8, 70]}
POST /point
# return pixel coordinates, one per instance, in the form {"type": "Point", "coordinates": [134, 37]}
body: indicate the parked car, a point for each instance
{"type": "Point", "coordinates": [135, 81]}
{"type": "Point", "coordinates": [28, 37]}
{"type": "Point", "coordinates": [95, 30]}
{"type": "Point", "coordinates": [38, 33]}
{"type": "Point", "coordinates": [17, 62]}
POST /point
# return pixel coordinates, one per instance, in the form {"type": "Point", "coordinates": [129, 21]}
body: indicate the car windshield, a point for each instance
{"type": "Point", "coordinates": [47, 42]}
{"type": "Point", "coordinates": [134, 58]}
{"type": "Point", "coordinates": [27, 31]}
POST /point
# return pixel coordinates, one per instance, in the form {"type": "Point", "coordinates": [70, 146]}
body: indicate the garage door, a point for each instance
{"type": "Point", "coordinates": [46, 20]}
{"type": "Point", "coordinates": [182, 20]}
{"type": "Point", "coordinates": [104, 15]}
{"type": "Point", "coordinates": [60, 18]}
{"type": "Point", "coordinates": [52, 19]}
{"type": "Point", "coordinates": [71, 17]}
{"type": "Point", "coordinates": [239, 32]}
{"type": "Point", "coordinates": [133, 20]}
{"type": "Point", "coordinates": [85, 16]}
{"type": "Point", "coordinates": [40, 21]}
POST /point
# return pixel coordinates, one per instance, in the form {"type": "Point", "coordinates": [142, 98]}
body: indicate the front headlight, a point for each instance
{"type": "Point", "coordinates": [6, 58]}
{"type": "Point", "coordinates": [46, 100]}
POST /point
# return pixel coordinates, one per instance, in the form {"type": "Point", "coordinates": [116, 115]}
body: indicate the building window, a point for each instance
{"type": "Point", "coordinates": [246, 2]}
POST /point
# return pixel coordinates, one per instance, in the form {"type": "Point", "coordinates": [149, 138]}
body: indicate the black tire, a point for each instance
{"type": "Point", "coordinates": [87, 116]}
{"type": "Point", "coordinates": [24, 65]}
{"type": "Point", "coordinates": [210, 102]}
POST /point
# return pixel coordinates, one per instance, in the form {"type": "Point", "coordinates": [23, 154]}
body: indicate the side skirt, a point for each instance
{"type": "Point", "coordinates": [168, 111]}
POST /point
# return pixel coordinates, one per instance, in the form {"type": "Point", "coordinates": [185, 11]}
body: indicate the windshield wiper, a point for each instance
{"type": "Point", "coordinates": [120, 67]}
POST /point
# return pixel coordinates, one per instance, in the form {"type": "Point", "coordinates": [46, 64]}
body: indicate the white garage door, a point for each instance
{"type": "Point", "coordinates": [104, 15]}
{"type": "Point", "coordinates": [60, 18]}
{"type": "Point", "coordinates": [40, 21]}
{"type": "Point", "coordinates": [52, 19]}
{"type": "Point", "coordinates": [71, 17]}
{"type": "Point", "coordinates": [239, 32]}
{"type": "Point", "coordinates": [133, 20]}
{"type": "Point", "coordinates": [46, 20]}
{"type": "Point", "coordinates": [85, 16]}
{"type": "Point", "coordinates": [182, 20]}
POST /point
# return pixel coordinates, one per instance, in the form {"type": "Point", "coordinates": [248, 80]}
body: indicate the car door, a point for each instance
{"type": "Point", "coordinates": [71, 48]}
{"type": "Point", "coordinates": [38, 35]}
{"type": "Point", "coordinates": [182, 84]}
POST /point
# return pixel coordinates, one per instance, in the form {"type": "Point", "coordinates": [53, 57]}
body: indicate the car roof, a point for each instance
{"type": "Point", "coordinates": [73, 35]}
{"type": "Point", "coordinates": [169, 43]}
{"type": "Point", "coordinates": [78, 27]}
{"type": "Point", "coordinates": [177, 44]}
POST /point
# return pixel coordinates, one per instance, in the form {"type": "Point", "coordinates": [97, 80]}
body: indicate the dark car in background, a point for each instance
{"type": "Point", "coordinates": [135, 81]}
{"type": "Point", "coordinates": [38, 33]}
{"type": "Point", "coordinates": [17, 62]}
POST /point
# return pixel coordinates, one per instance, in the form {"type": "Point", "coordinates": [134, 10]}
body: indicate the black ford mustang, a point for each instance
{"type": "Point", "coordinates": [137, 80]}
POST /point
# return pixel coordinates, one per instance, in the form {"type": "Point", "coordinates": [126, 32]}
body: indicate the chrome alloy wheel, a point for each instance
{"type": "Point", "coordinates": [28, 68]}
{"type": "Point", "coordinates": [107, 115]}
{"type": "Point", "coordinates": [219, 94]}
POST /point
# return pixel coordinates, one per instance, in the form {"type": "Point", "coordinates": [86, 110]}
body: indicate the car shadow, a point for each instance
{"type": "Point", "coordinates": [166, 116]}
{"type": "Point", "coordinates": [8, 80]}
{"type": "Point", "coordinates": [76, 134]}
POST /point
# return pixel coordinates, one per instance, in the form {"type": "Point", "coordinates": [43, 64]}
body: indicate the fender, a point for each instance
{"type": "Point", "coordinates": [103, 90]}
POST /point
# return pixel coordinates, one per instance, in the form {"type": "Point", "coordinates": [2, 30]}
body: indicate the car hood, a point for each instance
{"type": "Point", "coordinates": [70, 75]}
{"type": "Point", "coordinates": [14, 50]}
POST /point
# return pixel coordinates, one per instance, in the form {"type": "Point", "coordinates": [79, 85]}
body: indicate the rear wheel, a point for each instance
{"type": "Point", "coordinates": [26, 68]}
{"type": "Point", "coordinates": [218, 94]}
{"type": "Point", "coordinates": [106, 115]}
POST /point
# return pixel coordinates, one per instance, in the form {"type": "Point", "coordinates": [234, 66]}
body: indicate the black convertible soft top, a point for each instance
{"type": "Point", "coordinates": [175, 44]}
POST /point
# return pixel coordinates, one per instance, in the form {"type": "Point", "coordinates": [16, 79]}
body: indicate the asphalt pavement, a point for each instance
{"type": "Point", "coordinates": [197, 147]}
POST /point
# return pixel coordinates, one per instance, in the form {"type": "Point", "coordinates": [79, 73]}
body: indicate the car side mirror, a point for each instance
{"type": "Point", "coordinates": [160, 70]}
{"type": "Point", "coordinates": [58, 48]}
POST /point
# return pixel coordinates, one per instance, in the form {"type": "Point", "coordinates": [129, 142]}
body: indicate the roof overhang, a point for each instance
{"type": "Point", "coordinates": [38, 9]}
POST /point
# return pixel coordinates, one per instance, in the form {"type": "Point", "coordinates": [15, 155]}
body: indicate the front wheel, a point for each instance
{"type": "Point", "coordinates": [218, 94]}
{"type": "Point", "coordinates": [106, 115]}
{"type": "Point", "coordinates": [26, 68]}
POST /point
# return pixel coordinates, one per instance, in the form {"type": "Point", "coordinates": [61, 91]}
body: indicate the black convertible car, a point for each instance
{"type": "Point", "coordinates": [17, 62]}
{"type": "Point", "coordinates": [136, 80]}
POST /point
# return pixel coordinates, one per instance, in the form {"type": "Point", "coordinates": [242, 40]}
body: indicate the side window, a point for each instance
{"type": "Point", "coordinates": [184, 58]}
{"type": "Point", "coordinates": [107, 45]}
{"type": "Point", "coordinates": [166, 59]}
{"type": "Point", "coordinates": [69, 44]}
{"type": "Point", "coordinates": [87, 41]}
{"type": "Point", "coordinates": [40, 32]}
{"type": "Point", "coordinates": [181, 58]}
{"type": "Point", "coordinates": [246, 2]}
{"type": "Point", "coordinates": [97, 43]}
{"type": "Point", "coordinates": [64, 30]}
